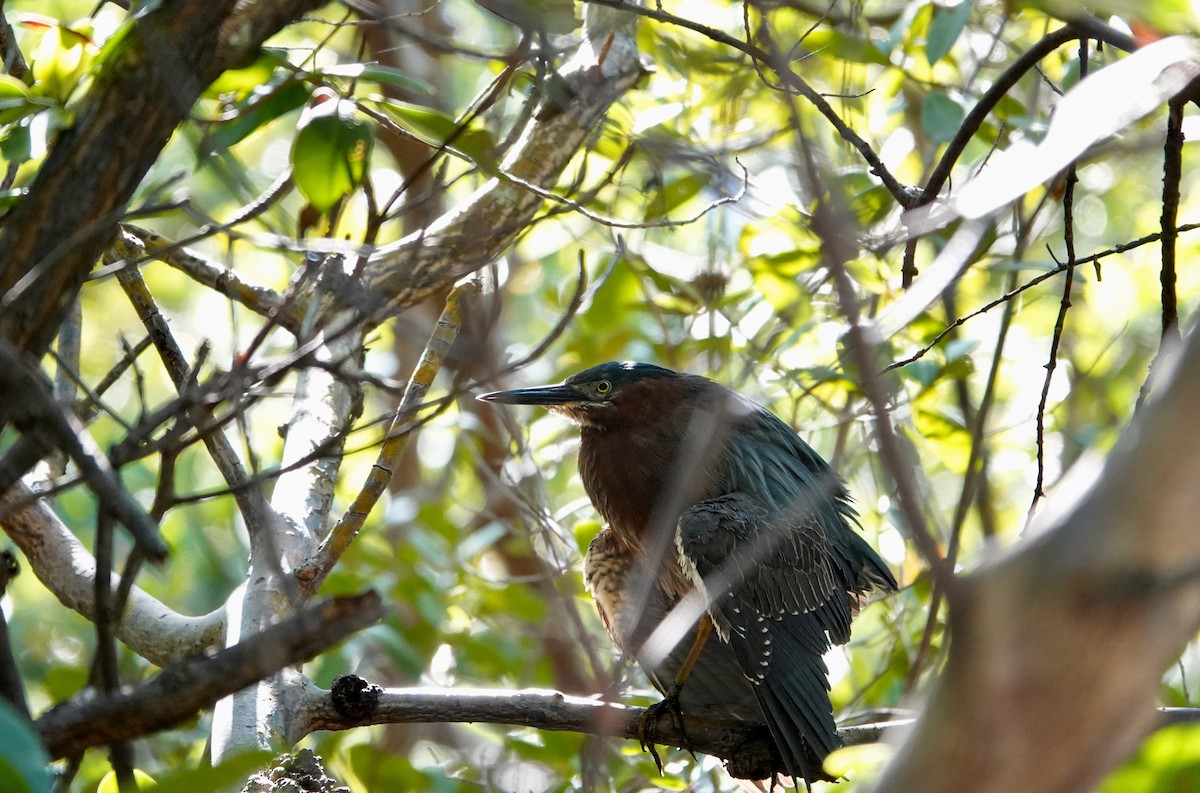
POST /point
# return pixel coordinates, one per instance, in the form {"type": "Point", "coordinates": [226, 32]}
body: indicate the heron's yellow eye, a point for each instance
{"type": "Point", "coordinates": [603, 387]}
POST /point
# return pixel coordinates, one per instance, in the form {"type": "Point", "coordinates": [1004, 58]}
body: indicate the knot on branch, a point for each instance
{"type": "Point", "coordinates": [354, 697]}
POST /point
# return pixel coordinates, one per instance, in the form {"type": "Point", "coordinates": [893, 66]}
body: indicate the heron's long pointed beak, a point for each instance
{"type": "Point", "coordinates": [540, 395]}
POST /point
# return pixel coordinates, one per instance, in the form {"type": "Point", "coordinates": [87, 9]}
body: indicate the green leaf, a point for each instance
{"type": "Point", "coordinates": [431, 126]}
{"type": "Point", "coordinates": [945, 28]}
{"type": "Point", "coordinates": [440, 130]}
{"type": "Point", "coordinates": [941, 117]}
{"type": "Point", "coordinates": [673, 304]}
{"type": "Point", "coordinates": [925, 372]}
{"type": "Point", "coordinates": [837, 44]}
{"type": "Point", "coordinates": [784, 294]}
{"type": "Point", "coordinates": [480, 540]}
{"type": "Point", "coordinates": [872, 205]}
{"type": "Point", "coordinates": [859, 762]}
{"type": "Point", "coordinates": [479, 146]}
{"type": "Point", "coordinates": [788, 264]}
{"type": "Point", "coordinates": [253, 114]}
{"type": "Point", "coordinates": [230, 774]}
{"type": "Point", "coordinates": [1165, 16]}
{"type": "Point", "coordinates": [675, 193]}
{"type": "Point", "coordinates": [24, 764]}
{"type": "Point", "coordinates": [18, 101]}
{"type": "Point", "coordinates": [9, 198]}
{"type": "Point", "coordinates": [554, 17]}
{"type": "Point", "coordinates": [960, 348]}
{"type": "Point", "coordinates": [585, 531]}
{"type": "Point", "coordinates": [900, 28]}
{"type": "Point", "coordinates": [1168, 762]}
{"type": "Point", "coordinates": [16, 145]}
{"type": "Point", "coordinates": [944, 436]}
{"type": "Point", "coordinates": [61, 59]}
{"type": "Point", "coordinates": [109, 783]}
{"type": "Point", "coordinates": [329, 158]}
{"type": "Point", "coordinates": [248, 78]}
{"type": "Point", "coordinates": [12, 88]}
{"type": "Point", "coordinates": [375, 73]}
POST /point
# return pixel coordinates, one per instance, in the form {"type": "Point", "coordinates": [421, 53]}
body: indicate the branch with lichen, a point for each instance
{"type": "Point", "coordinates": [314, 571]}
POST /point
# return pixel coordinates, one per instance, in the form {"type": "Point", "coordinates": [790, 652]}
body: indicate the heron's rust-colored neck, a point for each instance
{"type": "Point", "coordinates": [653, 453]}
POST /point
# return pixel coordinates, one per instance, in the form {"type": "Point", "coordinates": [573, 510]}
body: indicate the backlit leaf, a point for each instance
{"type": "Point", "coordinates": [947, 25]}
{"type": "Point", "coordinates": [329, 157]}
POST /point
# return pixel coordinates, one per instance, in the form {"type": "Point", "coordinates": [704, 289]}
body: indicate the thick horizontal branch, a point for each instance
{"type": "Point", "coordinates": [552, 710]}
{"type": "Point", "coordinates": [748, 744]}
{"type": "Point", "coordinates": [193, 684]}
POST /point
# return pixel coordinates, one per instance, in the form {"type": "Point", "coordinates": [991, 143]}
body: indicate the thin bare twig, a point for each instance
{"type": "Point", "coordinates": [1172, 175]}
{"type": "Point", "coordinates": [1094, 258]}
{"type": "Point", "coordinates": [1071, 178]}
{"type": "Point", "coordinates": [1169, 232]}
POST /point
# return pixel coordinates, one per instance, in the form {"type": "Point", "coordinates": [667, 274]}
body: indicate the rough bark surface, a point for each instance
{"type": "Point", "coordinates": [1059, 647]}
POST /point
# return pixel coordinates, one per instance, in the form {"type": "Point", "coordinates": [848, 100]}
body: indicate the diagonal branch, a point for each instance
{"type": "Point", "coordinates": [195, 683]}
{"type": "Point", "coordinates": [1058, 648]}
{"type": "Point", "coordinates": [468, 237]}
{"type": "Point", "coordinates": [262, 300]}
{"type": "Point", "coordinates": [249, 499]}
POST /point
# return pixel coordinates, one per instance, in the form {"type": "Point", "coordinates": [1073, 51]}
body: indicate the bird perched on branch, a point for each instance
{"type": "Point", "coordinates": [721, 520]}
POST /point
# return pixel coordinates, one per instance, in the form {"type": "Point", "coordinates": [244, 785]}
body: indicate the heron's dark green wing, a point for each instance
{"type": "Point", "coordinates": [766, 459]}
{"type": "Point", "coordinates": [777, 563]}
{"type": "Point", "coordinates": [777, 600]}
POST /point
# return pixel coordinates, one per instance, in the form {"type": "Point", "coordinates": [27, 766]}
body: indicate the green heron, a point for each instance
{"type": "Point", "coordinates": [714, 502]}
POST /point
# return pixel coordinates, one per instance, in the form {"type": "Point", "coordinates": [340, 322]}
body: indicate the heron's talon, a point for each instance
{"type": "Point", "coordinates": [648, 728]}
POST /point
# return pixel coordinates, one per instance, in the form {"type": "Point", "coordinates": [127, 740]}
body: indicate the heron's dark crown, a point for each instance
{"type": "Point", "coordinates": [623, 394]}
{"type": "Point", "coordinates": [619, 373]}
